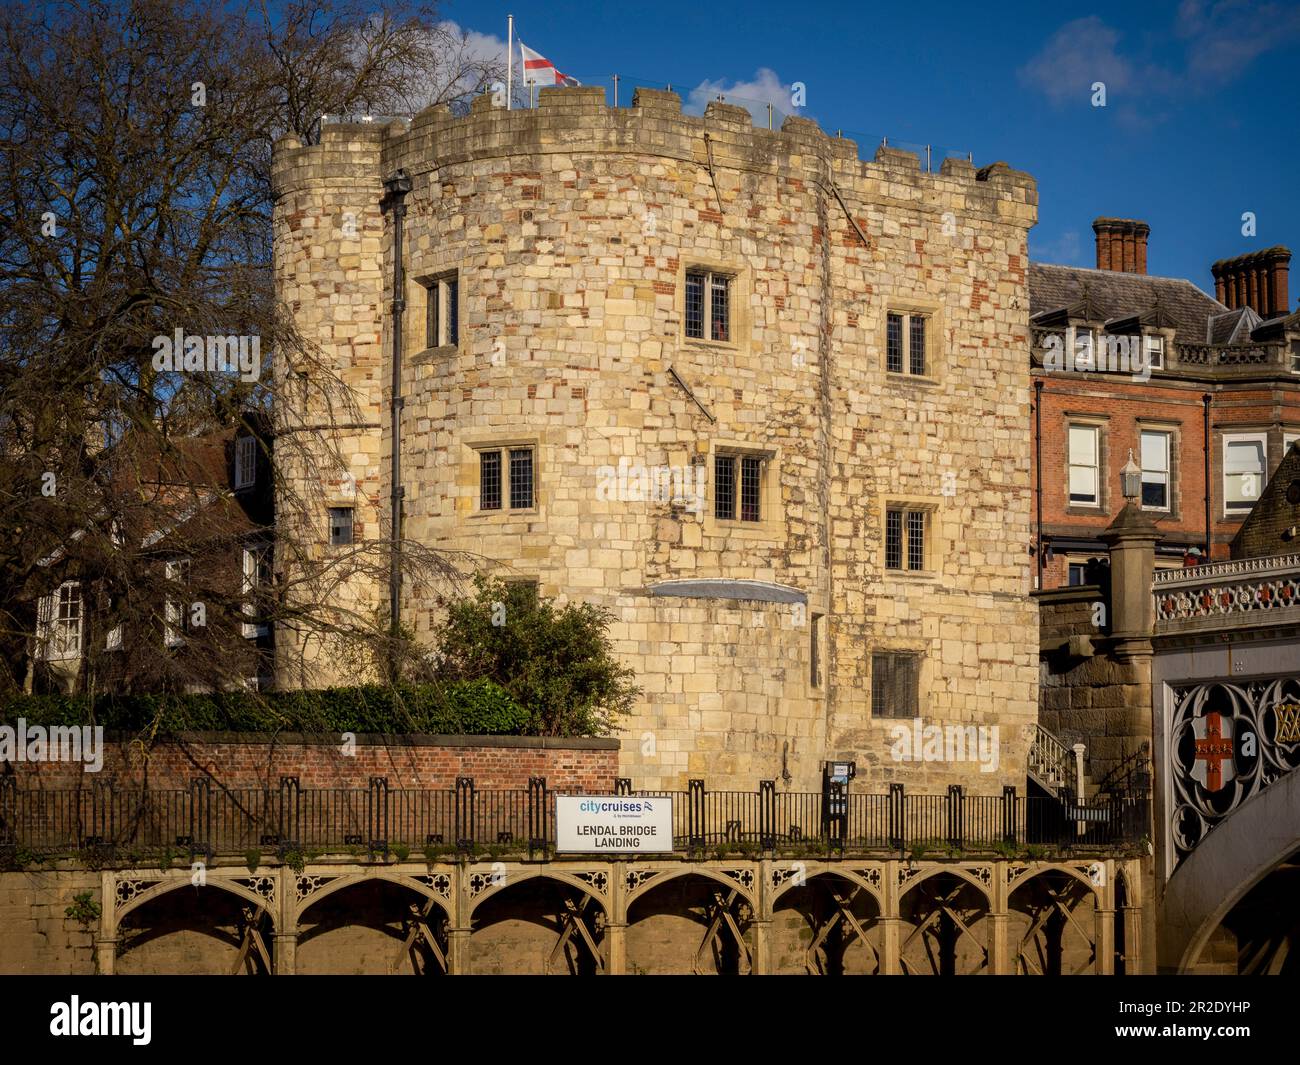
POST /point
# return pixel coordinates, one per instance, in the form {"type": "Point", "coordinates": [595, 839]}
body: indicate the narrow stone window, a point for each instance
{"type": "Point", "coordinates": [895, 684]}
{"type": "Point", "coordinates": [724, 487]}
{"type": "Point", "coordinates": [916, 345]}
{"type": "Point", "coordinates": [750, 485]}
{"type": "Point", "coordinates": [893, 539]}
{"type": "Point", "coordinates": [340, 526]}
{"type": "Point", "coordinates": [444, 311]}
{"type": "Point", "coordinates": [915, 539]}
{"type": "Point", "coordinates": [815, 652]}
{"type": "Point", "coordinates": [894, 343]}
{"type": "Point", "coordinates": [489, 480]}
{"type": "Point", "coordinates": [521, 478]}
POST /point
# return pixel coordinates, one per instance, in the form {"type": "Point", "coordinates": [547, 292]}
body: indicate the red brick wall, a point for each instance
{"type": "Point", "coordinates": [1125, 406]}
{"type": "Point", "coordinates": [422, 762]}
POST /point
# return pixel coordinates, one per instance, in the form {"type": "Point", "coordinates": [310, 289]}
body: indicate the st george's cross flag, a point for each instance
{"type": "Point", "coordinates": [538, 70]}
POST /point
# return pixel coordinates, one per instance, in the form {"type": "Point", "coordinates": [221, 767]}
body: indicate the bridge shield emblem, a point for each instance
{"type": "Point", "coordinates": [1213, 768]}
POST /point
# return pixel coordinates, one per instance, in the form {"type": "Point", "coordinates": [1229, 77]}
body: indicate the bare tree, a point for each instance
{"type": "Point", "coordinates": [134, 157]}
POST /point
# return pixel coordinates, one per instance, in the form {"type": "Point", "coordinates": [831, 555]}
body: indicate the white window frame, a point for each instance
{"type": "Point", "coordinates": [1167, 471]}
{"type": "Point", "coordinates": [252, 553]}
{"type": "Point", "coordinates": [245, 462]}
{"type": "Point", "coordinates": [1155, 350]}
{"type": "Point", "coordinates": [56, 639]}
{"type": "Point", "coordinates": [1287, 440]}
{"type": "Point", "coordinates": [1070, 465]}
{"type": "Point", "coordinates": [1091, 333]}
{"type": "Point", "coordinates": [175, 570]}
{"type": "Point", "coordinates": [1243, 438]}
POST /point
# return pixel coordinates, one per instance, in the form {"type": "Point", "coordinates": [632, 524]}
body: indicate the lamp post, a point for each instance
{"type": "Point", "coordinates": [1131, 540]}
{"type": "Point", "coordinates": [1131, 478]}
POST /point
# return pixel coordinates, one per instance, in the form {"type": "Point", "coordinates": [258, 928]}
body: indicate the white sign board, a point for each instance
{"type": "Point", "coordinates": [613, 824]}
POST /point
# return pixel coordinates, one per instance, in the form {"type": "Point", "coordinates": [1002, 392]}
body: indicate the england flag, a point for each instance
{"type": "Point", "coordinates": [538, 70]}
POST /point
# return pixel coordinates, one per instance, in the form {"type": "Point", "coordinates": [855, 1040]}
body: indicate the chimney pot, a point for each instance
{"type": "Point", "coordinates": [1257, 280]}
{"type": "Point", "coordinates": [1121, 244]}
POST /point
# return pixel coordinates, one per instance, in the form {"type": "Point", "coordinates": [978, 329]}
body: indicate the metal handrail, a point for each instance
{"type": "Point", "coordinates": [140, 824]}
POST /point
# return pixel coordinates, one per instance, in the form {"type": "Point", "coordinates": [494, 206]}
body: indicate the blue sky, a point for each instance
{"type": "Point", "coordinates": [1198, 127]}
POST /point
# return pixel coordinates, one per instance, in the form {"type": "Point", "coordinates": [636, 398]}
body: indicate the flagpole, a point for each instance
{"type": "Point", "coordinates": [510, 61]}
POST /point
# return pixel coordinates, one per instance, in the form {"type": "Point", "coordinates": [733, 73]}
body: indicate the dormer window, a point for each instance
{"type": "Point", "coordinates": [245, 462]}
{"type": "Point", "coordinates": [1084, 346]}
{"type": "Point", "coordinates": [1155, 351]}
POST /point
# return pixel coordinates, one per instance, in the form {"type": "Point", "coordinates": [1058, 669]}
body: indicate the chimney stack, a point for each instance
{"type": "Point", "coordinates": [1121, 244]}
{"type": "Point", "coordinates": [1257, 280]}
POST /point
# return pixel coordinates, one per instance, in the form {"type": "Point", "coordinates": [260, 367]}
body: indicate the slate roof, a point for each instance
{"type": "Point", "coordinates": [1115, 295]}
{"type": "Point", "coordinates": [1233, 327]}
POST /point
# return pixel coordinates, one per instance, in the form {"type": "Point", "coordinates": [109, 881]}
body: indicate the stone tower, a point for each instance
{"type": "Point", "coordinates": [648, 299]}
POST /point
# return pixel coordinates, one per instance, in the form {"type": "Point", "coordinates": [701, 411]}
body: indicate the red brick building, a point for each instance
{"type": "Point", "coordinates": [1123, 361]}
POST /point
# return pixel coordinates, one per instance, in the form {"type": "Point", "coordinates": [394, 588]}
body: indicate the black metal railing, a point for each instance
{"type": "Point", "coordinates": [208, 818]}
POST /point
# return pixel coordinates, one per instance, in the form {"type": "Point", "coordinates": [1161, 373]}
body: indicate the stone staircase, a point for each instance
{"type": "Point", "coordinates": [1052, 765]}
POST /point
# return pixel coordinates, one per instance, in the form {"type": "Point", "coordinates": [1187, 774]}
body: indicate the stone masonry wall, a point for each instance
{"type": "Point", "coordinates": [1097, 699]}
{"type": "Point", "coordinates": [571, 227]}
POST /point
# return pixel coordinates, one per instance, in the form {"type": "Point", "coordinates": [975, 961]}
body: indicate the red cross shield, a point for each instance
{"type": "Point", "coordinates": [1214, 766]}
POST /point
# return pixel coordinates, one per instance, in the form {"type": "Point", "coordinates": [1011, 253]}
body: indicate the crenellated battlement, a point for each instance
{"type": "Point", "coordinates": [639, 294]}
{"type": "Point", "coordinates": [579, 120]}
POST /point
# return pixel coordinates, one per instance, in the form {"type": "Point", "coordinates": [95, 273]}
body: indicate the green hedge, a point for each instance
{"type": "Point", "coordinates": [477, 708]}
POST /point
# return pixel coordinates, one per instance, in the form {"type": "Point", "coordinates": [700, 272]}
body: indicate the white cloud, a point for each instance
{"type": "Point", "coordinates": [1225, 38]}
{"type": "Point", "coordinates": [1077, 55]}
{"type": "Point", "coordinates": [1220, 40]}
{"type": "Point", "coordinates": [765, 88]}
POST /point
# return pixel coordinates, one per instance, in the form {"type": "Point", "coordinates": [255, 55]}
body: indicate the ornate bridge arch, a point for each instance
{"type": "Point", "coordinates": [1053, 900]}
{"type": "Point", "coordinates": [981, 880]}
{"type": "Point", "coordinates": [641, 881]}
{"type": "Point", "coordinates": [787, 879]}
{"type": "Point", "coordinates": [1234, 857]}
{"type": "Point", "coordinates": [133, 892]}
{"type": "Point", "coordinates": [310, 889]}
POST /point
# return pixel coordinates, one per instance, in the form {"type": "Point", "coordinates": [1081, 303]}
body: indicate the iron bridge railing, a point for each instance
{"type": "Point", "coordinates": [209, 819]}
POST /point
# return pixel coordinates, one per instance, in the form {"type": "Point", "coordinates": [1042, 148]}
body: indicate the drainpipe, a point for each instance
{"type": "Point", "coordinates": [395, 190]}
{"type": "Point", "coordinates": [1038, 477]}
{"type": "Point", "coordinates": [1205, 402]}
